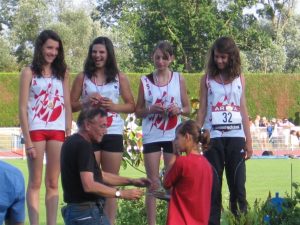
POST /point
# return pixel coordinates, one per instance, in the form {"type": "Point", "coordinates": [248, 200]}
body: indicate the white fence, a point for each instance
{"type": "Point", "coordinates": [280, 140]}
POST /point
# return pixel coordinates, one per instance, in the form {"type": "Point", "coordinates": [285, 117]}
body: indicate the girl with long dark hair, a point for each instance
{"type": "Point", "coordinates": [45, 117]}
{"type": "Point", "coordinates": [100, 85]}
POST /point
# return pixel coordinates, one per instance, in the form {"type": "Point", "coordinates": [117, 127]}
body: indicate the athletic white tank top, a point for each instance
{"type": "Point", "coordinates": [156, 127]}
{"type": "Point", "coordinates": [223, 117]}
{"type": "Point", "coordinates": [115, 123]}
{"type": "Point", "coordinates": [46, 108]}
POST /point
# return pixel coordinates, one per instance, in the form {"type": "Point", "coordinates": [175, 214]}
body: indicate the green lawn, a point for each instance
{"type": "Point", "coordinates": [263, 176]}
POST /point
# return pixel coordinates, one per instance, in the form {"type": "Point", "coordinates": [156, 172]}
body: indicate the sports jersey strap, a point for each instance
{"type": "Point", "coordinates": [242, 81]}
{"type": "Point", "coordinates": [206, 81]}
{"type": "Point", "coordinates": [150, 77]}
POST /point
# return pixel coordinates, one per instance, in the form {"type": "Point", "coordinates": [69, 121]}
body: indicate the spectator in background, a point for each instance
{"type": "Point", "coordinates": [263, 135]}
{"type": "Point", "coordinates": [252, 128]}
{"type": "Point", "coordinates": [286, 125]}
{"type": "Point", "coordinates": [257, 120]}
{"type": "Point", "coordinates": [273, 136]}
{"type": "Point", "coordinates": [294, 139]}
{"type": "Point", "coordinates": [12, 195]}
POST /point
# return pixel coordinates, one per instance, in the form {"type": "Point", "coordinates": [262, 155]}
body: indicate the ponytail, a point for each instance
{"type": "Point", "coordinates": [199, 135]}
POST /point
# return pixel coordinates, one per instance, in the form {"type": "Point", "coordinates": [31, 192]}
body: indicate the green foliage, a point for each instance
{"type": "Point", "coordinates": [288, 213]}
{"type": "Point", "coordinates": [132, 136]}
{"type": "Point", "coordinates": [269, 39]}
{"type": "Point", "coordinates": [77, 30]}
{"type": "Point", "coordinates": [275, 95]}
{"type": "Point", "coordinates": [7, 10]}
{"type": "Point", "coordinates": [268, 212]}
{"type": "Point", "coordinates": [292, 43]}
{"type": "Point", "coordinates": [31, 16]}
{"type": "Point", "coordinates": [149, 21]}
{"type": "Point", "coordinates": [7, 60]}
{"type": "Point", "coordinates": [9, 86]}
{"type": "Point", "coordinates": [254, 216]}
{"type": "Point", "coordinates": [133, 212]}
{"type": "Point", "coordinates": [268, 60]}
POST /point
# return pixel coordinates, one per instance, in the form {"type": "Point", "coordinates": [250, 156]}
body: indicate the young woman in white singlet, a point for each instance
{"type": "Point", "coordinates": [100, 85]}
{"type": "Point", "coordinates": [224, 113]}
{"type": "Point", "coordinates": [161, 100]}
{"type": "Point", "coordinates": [46, 118]}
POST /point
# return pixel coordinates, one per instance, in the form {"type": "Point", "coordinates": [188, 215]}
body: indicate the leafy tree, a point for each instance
{"type": "Point", "coordinates": [7, 61]}
{"type": "Point", "coordinates": [190, 25]}
{"type": "Point", "coordinates": [291, 38]}
{"type": "Point", "coordinates": [7, 10]}
{"type": "Point", "coordinates": [278, 52]}
{"type": "Point", "coordinates": [271, 59]}
{"type": "Point", "coordinates": [30, 18]}
{"type": "Point", "coordinates": [278, 13]}
{"type": "Point", "coordinates": [77, 30]}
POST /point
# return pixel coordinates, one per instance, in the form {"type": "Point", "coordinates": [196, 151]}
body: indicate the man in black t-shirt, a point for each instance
{"type": "Point", "coordinates": [85, 186]}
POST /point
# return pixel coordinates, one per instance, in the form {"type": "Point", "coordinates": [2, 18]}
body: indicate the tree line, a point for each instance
{"type": "Point", "coordinates": [266, 31]}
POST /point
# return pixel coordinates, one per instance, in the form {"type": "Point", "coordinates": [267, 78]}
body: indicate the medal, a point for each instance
{"type": "Point", "coordinates": [229, 108]}
{"type": "Point", "coordinates": [51, 105]}
{"type": "Point", "coordinates": [166, 113]}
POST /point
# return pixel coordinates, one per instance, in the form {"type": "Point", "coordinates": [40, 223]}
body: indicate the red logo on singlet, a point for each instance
{"type": "Point", "coordinates": [47, 107]}
{"type": "Point", "coordinates": [164, 122]}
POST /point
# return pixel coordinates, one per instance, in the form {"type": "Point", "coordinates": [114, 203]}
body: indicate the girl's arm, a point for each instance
{"type": "Point", "coordinates": [25, 82]}
{"type": "Point", "coordinates": [126, 94]}
{"type": "Point", "coordinates": [68, 110]}
{"type": "Point", "coordinates": [76, 91]}
{"type": "Point", "coordinates": [140, 109]}
{"type": "Point", "coordinates": [245, 121]}
{"type": "Point", "coordinates": [203, 102]}
{"type": "Point", "coordinates": [186, 108]}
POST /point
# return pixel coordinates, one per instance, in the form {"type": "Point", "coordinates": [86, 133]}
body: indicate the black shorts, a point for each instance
{"type": "Point", "coordinates": [110, 143]}
{"type": "Point", "coordinates": [165, 146]}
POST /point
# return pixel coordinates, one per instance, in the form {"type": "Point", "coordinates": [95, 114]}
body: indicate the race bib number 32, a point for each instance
{"type": "Point", "coordinates": [226, 120]}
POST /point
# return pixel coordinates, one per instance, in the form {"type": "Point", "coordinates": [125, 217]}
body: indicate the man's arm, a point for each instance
{"type": "Point", "coordinates": [113, 179]}
{"type": "Point", "coordinates": [90, 186]}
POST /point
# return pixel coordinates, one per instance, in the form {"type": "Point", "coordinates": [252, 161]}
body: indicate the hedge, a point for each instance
{"type": "Point", "coordinates": [271, 95]}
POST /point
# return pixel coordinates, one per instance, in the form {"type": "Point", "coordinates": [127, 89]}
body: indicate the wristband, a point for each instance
{"type": "Point", "coordinates": [29, 148]}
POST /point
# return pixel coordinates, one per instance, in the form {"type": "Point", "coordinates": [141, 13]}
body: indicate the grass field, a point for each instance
{"type": "Point", "coordinates": [263, 176]}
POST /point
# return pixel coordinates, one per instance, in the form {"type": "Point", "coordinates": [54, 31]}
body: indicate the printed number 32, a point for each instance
{"type": "Point", "coordinates": [227, 117]}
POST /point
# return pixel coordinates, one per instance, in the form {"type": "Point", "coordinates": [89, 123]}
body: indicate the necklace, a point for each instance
{"type": "Point", "coordinates": [163, 94]}
{"type": "Point", "coordinates": [98, 86]}
{"type": "Point", "coordinates": [227, 97]}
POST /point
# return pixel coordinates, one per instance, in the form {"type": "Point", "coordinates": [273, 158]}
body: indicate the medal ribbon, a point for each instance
{"type": "Point", "coordinates": [226, 96]}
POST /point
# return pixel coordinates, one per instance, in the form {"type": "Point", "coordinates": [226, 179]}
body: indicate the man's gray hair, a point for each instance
{"type": "Point", "coordinates": [89, 113]}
